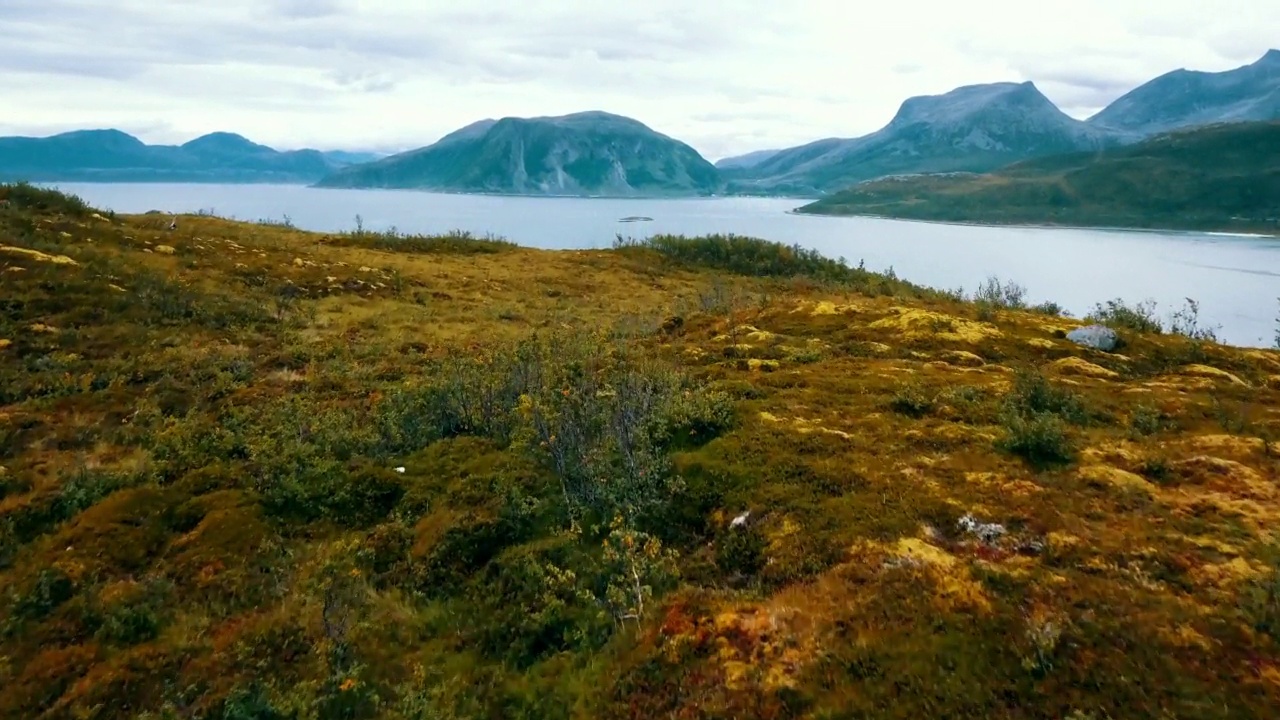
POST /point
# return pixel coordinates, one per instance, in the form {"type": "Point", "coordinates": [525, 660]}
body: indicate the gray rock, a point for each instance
{"type": "Point", "coordinates": [986, 532]}
{"type": "Point", "coordinates": [1098, 337]}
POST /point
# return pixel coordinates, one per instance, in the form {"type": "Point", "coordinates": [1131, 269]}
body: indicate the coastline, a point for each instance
{"type": "Point", "coordinates": [1047, 226]}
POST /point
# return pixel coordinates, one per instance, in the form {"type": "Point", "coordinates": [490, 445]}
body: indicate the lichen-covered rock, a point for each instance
{"type": "Point", "coordinates": [1098, 337]}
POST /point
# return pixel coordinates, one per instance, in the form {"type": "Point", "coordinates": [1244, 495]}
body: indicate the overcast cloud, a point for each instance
{"type": "Point", "coordinates": [726, 77]}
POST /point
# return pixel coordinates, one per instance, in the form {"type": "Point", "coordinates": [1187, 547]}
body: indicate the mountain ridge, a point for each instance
{"type": "Point", "coordinates": [112, 155]}
{"type": "Point", "coordinates": [1188, 98]}
{"type": "Point", "coordinates": [585, 153]}
{"type": "Point", "coordinates": [1219, 177]}
{"type": "Point", "coordinates": [971, 128]}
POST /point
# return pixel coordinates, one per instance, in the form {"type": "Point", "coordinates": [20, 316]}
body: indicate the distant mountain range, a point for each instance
{"type": "Point", "coordinates": [977, 128]}
{"type": "Point", "coordinates": [115, 156]}
{"type": "Point", "coordinates": [590, 153]}
{"type": "Point", "coordinates": [751, 159]}
{"type": "Point", "coordinates": [1219, 177]}
{"type": "Point", "coordinates": [1186, 98]}
{"type": "Point", "coordinates": [984, 127]}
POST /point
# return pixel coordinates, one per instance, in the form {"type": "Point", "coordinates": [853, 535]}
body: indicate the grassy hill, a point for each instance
{"type": "Point", "coordinates": [255, 472]}
{"type": "Point", "coordinates": [1225, 177]}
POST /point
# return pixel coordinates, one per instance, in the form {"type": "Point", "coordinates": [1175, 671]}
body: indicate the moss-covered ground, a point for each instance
{"type": "Point", "coordinates": [254, 472]}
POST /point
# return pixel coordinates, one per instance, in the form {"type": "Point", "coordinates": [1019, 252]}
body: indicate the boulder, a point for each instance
{"type": "Point", "coordinates": [1098, 337]}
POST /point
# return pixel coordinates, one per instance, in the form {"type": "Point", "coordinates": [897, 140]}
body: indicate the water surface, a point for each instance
{"type": "Point", "coordinates": [1236, 279]}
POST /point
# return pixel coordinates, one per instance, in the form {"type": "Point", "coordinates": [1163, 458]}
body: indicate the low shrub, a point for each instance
{"type": "Point", "coordinates": [912, 400]}
{"type": "Point", "coordinates": [1041, 439]}
{"type": "Point", "coordinates": [1117, 314]}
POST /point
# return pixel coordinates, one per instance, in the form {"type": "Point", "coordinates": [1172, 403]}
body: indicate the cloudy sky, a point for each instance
{"type": "Point", "coordinates": [726, 77]}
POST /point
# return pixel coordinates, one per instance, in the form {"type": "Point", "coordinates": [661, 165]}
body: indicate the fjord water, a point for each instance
{"type": "Point", "coordinates": [1235, 279]}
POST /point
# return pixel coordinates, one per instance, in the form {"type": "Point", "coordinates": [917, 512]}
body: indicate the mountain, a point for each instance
{"type": "Point", "coordinates": [341, 158]}
{"type": "Point", "coordinates": [972, 128]}
{"type": "Point", "coordinates": [748, 160]}
{"type": "Point", "coordinates": [1186, 98]}
{"type": "Point", "coordinates": [590, 153]}
{"type": "Point", "coordinates": [115, 156]}
{"type": "Point", "coordinates": [1220, 177]}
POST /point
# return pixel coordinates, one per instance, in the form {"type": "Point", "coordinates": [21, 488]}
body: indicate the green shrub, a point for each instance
{"type": "Point", "coordinates": [25, 196]}
{"type": "Point", "coordinates": [1116, 314]}
{"type": "Point", "coordinates": [741, 551]}
{"type": "Point", "coordinates": [1147, 420]}
{"type": "Point", "coordinates": [1041, 439]}
{"type": "Point", "coordinates": [912, 400]}
{"type": "Point", "coordinates": [456, 242]}
{"type": "Point", "coordinates": [136, 617]}
{"type": "Point", "coordinates": [693, 416]}
{"type": "Point", "coordinates": [1186, 322]}
{"type": "Point", "coordinates": [1033, 394]}
{"type": "Point", "coordinates": [1049, 308]}
{"type": "Point", "coordinates": [51, 587]}
{"type": "Point", "coordinates": [762, 258]}
{"type": "Point", "coordinates": [996, 293]}
{"type": "Point", "coordinates": [538, 600]}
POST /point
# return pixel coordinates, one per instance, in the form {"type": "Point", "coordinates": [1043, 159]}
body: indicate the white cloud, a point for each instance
{"type": "Point", "coordinates": [725, 77]}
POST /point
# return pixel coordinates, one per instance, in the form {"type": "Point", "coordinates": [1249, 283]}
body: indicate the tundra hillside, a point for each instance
{"type": "Point", "coordinates": [255, 472]}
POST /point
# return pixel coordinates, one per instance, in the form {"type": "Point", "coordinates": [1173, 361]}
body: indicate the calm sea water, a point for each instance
{"type": "Point", "coordinates": [1235, 279]}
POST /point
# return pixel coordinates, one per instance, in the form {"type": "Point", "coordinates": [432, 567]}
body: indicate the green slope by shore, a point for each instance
{"type": "Point", "coordinates": [1224, 177]}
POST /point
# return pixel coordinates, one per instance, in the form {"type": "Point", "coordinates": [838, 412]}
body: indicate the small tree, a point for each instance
{"type": "Point", "coordinates": [637, 563]}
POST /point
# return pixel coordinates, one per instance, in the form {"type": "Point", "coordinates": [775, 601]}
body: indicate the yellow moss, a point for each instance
{"type": "Point", "coordinates": [919, 550]}
{"type": "Point", "coordinates": [1052, 328]}
{"type": "Point", "coordinates": [1042, 343]}
{"type": "Point", "coordinates": [1227, 476]}
{"type": "Point", "coordinates": [997, 482]}
{"type": "Point", "coordinates": [955, 586]}
{"type": "Point", "coordinates": [1266, 359]}
{"type": "Point", "coordinates": [1121, 453]}
{"type": "Point", "coordinates": [1080, 366]}
{"type": "Point", "coordinates": [782, 534]}
{"type": "Point", "coordinates": [826, 307]}
{"type": "Point", "coordinates": [1061, 540]}
{"type": "Point", "coordinates": [1212, 373]}
{"type": "Point", "coordinates": [1228, 443]}
{"type": "Point", "coordinates": [1107, 475]}
{"type": "Point", "coordinates": [1227, 574]}
{"type": "Point", "coordinates": [38, 256]}
{"type": "Point", "coordinates": [757, 364]}
{"type": "Point", "coordinates": [963, 358]}
{"type": "Point", "coordinates": [915, 323]}
{"type": "Point", "coordinates": [806, 426]}
{"type": "Point", "coordinates": [761, 336]}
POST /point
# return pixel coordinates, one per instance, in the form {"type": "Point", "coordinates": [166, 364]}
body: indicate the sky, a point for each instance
{"type": "Point", "coordinates": [725, 77]}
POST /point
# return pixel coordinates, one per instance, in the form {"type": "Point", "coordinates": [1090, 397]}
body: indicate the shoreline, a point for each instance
{"type": "Point", "coordinates": [1047, 226]}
